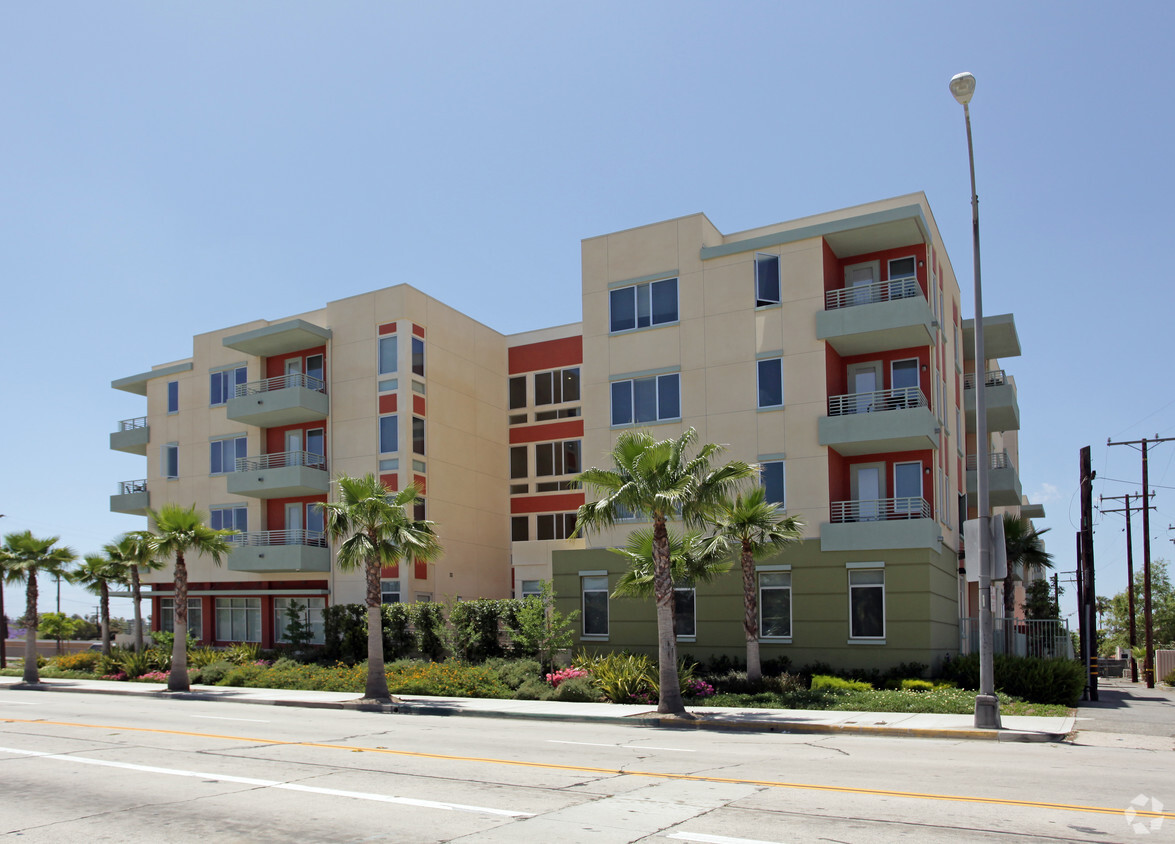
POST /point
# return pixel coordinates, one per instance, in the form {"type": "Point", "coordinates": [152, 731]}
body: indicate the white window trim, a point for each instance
{"type": "Point", "coordinates": [763, 461]}
{"type": "Point", "coordinates": [163, 449]}
{"type": "Point", "coordinates": [687, 637]}
{"type": "Point", "coordinates": [779, 280]}
{"type": "Point", "coordinates": [656, 378]}
{"type": "Point", "coordinates": [223, 438]}
{"type": "Point", "coordinates": [776, 569]}
{"type": "Point", "coordinates": [889, 276]}
{"type": "Point", "coordinates": [758, 383]}
{"type": "Point", "coordinates": [594, 637]}
{"type": "Point", "coordinates": [395, 341]}
{"type": "Point", "coordinates": [648, 282]}
{"type": "Point", "coordinates": [866, 640]}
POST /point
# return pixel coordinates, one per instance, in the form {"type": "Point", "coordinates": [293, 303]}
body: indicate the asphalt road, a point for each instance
{"type": "Point", "coordinates": [96, 768]}
{"type": "Point", "coordinates": [1130, 708]}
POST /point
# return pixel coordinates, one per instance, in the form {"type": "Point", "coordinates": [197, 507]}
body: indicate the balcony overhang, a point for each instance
{"type": "Point", "coordinates": [911, 429]}
{"type": "Point", "coordinates": [881, 535]}
{"type": "Point", "coordinates": [1003, 486]}
{"type": "Point", "coordinates": [1031, 511]}
{"type": "Point", "coordinates": [137, 384]}
{"type": "Point", "coordinates": [279, 558]}
{"type": "Point", "coordinates": [272, 409]}
{"type": "Point", "coordinates": [877, 326]}
{"type": "Point", "coordinates": [133, 503]}
{"type": "Point", "coordinates": [1000, 339]}
{"type": "Point", "coordinates": [1003, 408]}
{"type": "Point", "coordinates": [132, 441]}
{"type": "Point", "coordinates": [278, 339]}
{"type": "Point", "coordinates": [279, 482]}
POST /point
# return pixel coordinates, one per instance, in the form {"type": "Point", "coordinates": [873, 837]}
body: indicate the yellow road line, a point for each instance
{"type": "Point", "coordinates": [840, 789]}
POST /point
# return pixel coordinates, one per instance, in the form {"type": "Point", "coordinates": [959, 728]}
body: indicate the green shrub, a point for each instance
{"type": "Point", "coordinates": [166, 640]}
{"type": "Point", "coordinates": [202, 656]}
{"type": "Point", "coordinates": [159, 658]}
{"type": "Point", "coordinates": [477, 628]}
{"type": "Point", "coordinates": [345, 627]}
{"type": "Point", "coordinates": [243, 653]}
{"type": "Point", "coordinates": [399, 638]}
{"type": "Point", "coordinates": [1037, 680]}
{"type": "Point", "coordinates": [576, 690]}
{"type": "Point", "coordinates": [621, 677]}
{"type": "Point", "coordinates": [136, 664]}
{"type": "Point", "coordinates": [534, 688]}
{"type": "Point", "coordinates": [515, 672]}
{"type": "Point", "coordinates": [917, 685]}
{"type": "Point", "coordinates": [789, 683]}
{"type": "Point", "coordinates": [822, 682]}
{"type": "Point", "coordinates": [212, 673]}
{"type": "Point", "coordinates": [736, 682]}
{"type": "Point", "coordinates": [244, 675]}
{"type": "Point", "coordinates": [429, 620]}
{"type": "Point", "coordinates": [451, 678]}
{"type": "Point", "coordinates": [85, 661]}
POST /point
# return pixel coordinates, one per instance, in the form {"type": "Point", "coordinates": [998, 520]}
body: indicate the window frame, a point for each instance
{"type": "Point", "coordinates": [679, 615]}
{"type": "Point", "coordinates": [759, 379]}
{"type": "Point", "coordinates": [631, 391]}
{"type": "Point", "coordinates": [240, 449]}
{"type": "Point", "coordinates": [166, 461]}
{"type": "Point", "coordinates": [417, 356]}
{"type": "Point", "coordinates": [561, 526]}
{"type": "Point", "coordinates": [389, 429]}
{"type": "Point", "coordinates": [596, 588]}
{"type": "Point", "coordinates": [167, 616]}
{"type": "Point", "coordinates": [387, 341]}
{"type": "Point", "coordinates": [637, 292]}
{"type": "Point", "coordinates": [312, 616]}
{"type": "Point", "coordinates": [173, 397]}
{"type": "Point", "coordinates": [220, 378]}
{"type": "Point", "coordinates": [762, 588]}
{"type": "Point", "coordinates": [560, 454]}
{"type": "Point", "coordinates": [782, 464]}
{"type": "Point", "coordinates": [418, 441]}
{"type": "Point", "coordinates": [238, 521]}
{"type": "Point", "coordinates": [516, 393]}
{"type": "Point", "coordinates": [519, 462]}
{"type": "Point", "coordinates": [762, 301]}
{"type": "Point", "coordinates": [520, 528]}
{"type": "Point", "coordinates": [860, 569]}
{"type": "Point", "coordinates": [385, 590]}
{"type": "Point", "coordinates": [249, 606]}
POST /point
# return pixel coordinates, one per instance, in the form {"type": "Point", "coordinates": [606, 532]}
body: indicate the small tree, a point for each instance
{"type": "Point", "coordinates": [297, 633]}
{"type": "Point", "coordinates": [57, 625]}
{"type": "Point", "coordinates": [25, 555]}
{"type": "Point", "coordinates": [542, 631]}
{"type": "Point", "coordinates": [1023, 546]}
{"type": "Point", "coordinates": [1039, 602]}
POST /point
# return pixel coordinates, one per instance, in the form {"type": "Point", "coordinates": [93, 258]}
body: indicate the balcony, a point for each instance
{"type": "Point", "coordinates": [283, 400]}
{"type": "Point", "coordinates": [283, 551]}
{"type": "Point", "coordinates": [1003, 481]}
{"type": "Point", "coordinates": [132, 498]}
{"type": "Point", "coordinates": [1000, 339]}
{"type": "Point", "coordinates": [999, 395]}
{"type": "Point", "coordinates": [884, 420]}
{"type": "Point", "coordinates": [879, 525]}
{"type": "Point", "coordinates": [287, 474]}
{"type": "Point", "coordinates": [876, 317]}
{"type": "Point", "coordinates": [131, 436]}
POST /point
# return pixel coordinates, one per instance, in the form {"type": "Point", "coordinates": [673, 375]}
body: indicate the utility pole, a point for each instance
{"type": "Point", "coordinates": [1082, 632]}
{"type": "Point", "coordinates": [1148, 668]}
{"type": "Point", "coordinates": [1089, 591]}
{"type": "Point", "coordinates": [1129, 576]}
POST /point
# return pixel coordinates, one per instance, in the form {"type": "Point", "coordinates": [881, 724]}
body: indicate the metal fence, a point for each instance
{"type": "Point", "coordinates": [1019, 637]}
{"type": "Point", "coordinates": [282, 382]}
{"type": "Point", "coordinates": [991, 378]}
{"type": "Point", "coordinates": [879, 510]}
{"type": "Point", "coordinates": [876, 401]}
{"type": "Point", "coordinates": [312, 538]}
{"type": "Point", "coordinates": [280, 460]}
{"type": "Point", "coordinates": [867, 294]}
{"type": "Point", "coordinates": [132, 487]}
{"type": "Point", "coordinates": [133, 424]}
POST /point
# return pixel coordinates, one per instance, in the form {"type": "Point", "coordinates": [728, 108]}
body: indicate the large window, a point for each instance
{"type": "Point", "coordinates": [684, 616]}
{"type": "Point", "coordinates": [173, 396]}
{"type": "Point", "coordinates": [901, 268]}
{"type": "Point", "coordinates": [169, 459]}
{"type": "Point", "coordinates": [555, 525]}
{"type": "Point", "coordinates": [766, 280]}
{"type": "Point", "coordinates": [643, 305]}
{"type": "Point", "coordinates": [222, 385]}
{"type": "Point", "coordinates": [389, 434]}
{"type": "Point", "coordinates": [867, 603]}
{"type": "Point", "coordinates": [557, 386]}
{"type": "Point", "coordinates": [195, 616]}
{"type": "Point", "coordinates": [417, 435]}
{"type": "Point", "coordinates": [773, 476]}
{"type": "Point", "coordinates": [238, 619]}
{"type": "Point", "coordinates": [223, 454]}
{"type": "Point", "coordinates": [775, 604]}
{"type": "Point", "coordinates": [234, 517]}
{"type": "Point", "coordinates": [595, 605]}
{"type": "Point", "coordinates": [518, 466]}
{"type": "Point", "coordinates": [311, 616]}
{"type": "Point", "coordinates": [561, 458]}
{"type": "Point", "coordinates": [519, 528]}
{"type": "Point", "coordinates": [388, 355]}
{"type": "Point", "coordinates": [770, 371]}
{"type": "Point", "coordinates": [651, 399]}
{"type": "Point", "coordinates": [517, 392]}
{"type": "Point", "coordinates": [907, 485]}
{"type": "Point", "coordinates": [389, 591]}
{"type": "Point", "coordinates": [418, 356]}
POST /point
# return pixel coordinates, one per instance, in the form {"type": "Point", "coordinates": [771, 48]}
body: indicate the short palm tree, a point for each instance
{"type": "Point", "coordinates": [757, 529]}
{"type": "Point", "coordinates": [657, 480]}
{"type": "Point", "coordinates": [96, 572]}
{"type": "Point", "coordinates": [138, 552]}
{"type": "Point", "coordinates": [179, 531]}
{"type": "Point", "coordinates": [376, 531]}
{"type": "Point", "coordinates": [693, 558]}
{"type": "Point", "coordinates": [1023, 545]}
{"type": "Point", "coordinates": [24, 556]}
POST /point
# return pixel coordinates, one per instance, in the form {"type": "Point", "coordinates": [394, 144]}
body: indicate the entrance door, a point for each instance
{"type": "Point", "coordinates": [293, 370]}
{"type": "Point", "coordinates": [904, 380]}
{"type": "Point", "coordinates": [864, 381]}
{"type": "Point", "coordinates": [907, 485]}
{"type": "Point", "coordinates": [860, 279]}
{"type": "Point", "coordinates": [866, 490]}
{"type": "Point", "coordinates": [294, 521]}
{"type": "Point", "coordinates": [294, 448]}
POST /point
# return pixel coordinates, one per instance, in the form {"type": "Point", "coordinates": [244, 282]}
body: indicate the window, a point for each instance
{"type": "Point", "coordinates": [643, 305]}
{"type": "Point", "coordinates": [195, 616]}
{"type": "Point", "coordinates": [418, 356]}
{"type": "Point", "coordinates": [561, 413]}
{"type": "Point", "coordinates": [419, 511]}
{"type": "Point", "coordinates": [311, 616]}
{"type": "Point", "coordinates": [867, 603]}
{"type": "Point", "coordinates": [388, 355]}
{"type": "Point", "coordinates": [389, 434]}
{"type": "Point", "coordinates": [173, 396]}
{"type": "Point", "coordinates": [169, 458]}
{"type": "Point", "coordinates": [315, 371]}
{"type": "Point", "coordinates": [646, 399]}
{"type": "Point", "coordinates": [391, 464]}
{"type": "Point", "coordinates": [223, 454]}
{"type": "Point", "coordinates": [766, 280]}
{"type": "Point", "coordinates": [771, 382]}
{"type": "Point", "coordinates": [518, 467]}
{"type": "Point", "coordinates": [235, 517]}
{"type": "Point", "coordinates": [561, 458]}
{"type": "Point", "coordinates": [684, 601]}
{"type": "Point", "coordinates": [238, 619]}
{"type": "Point", "coordinates": [417, 435]}
{"type": "Point", "coordinates": [772, 477]}
{"type": "Point", "coordinates": [389, 591]}
{"type": "Point", "coordinates": [532, 588]}
{"type": "Point", "coordinates": [901, 268]}
{"type": "Point", "coordinates": [389, 384]}
{"type": "Point", "coordinates": [519, 528]}
{"type": "Point", "coordinates": [517, 392]}
{"type": "Point", "coordinates": [557, 386]}
{"type": "Point", "coordinates": [775, 604]}
{"type": "Point", "coordinates": [223, 384]}
{"type": "Point", "coordinates": [316, 442]}
{"type": "Point", "coordinates": [555, 525]}
{"type": "Point", "coordinates": [595, 605]}
{"type": "Point", "coordinates": [907, 485]}
{"type": "Point", "coordinates": [418, 387]}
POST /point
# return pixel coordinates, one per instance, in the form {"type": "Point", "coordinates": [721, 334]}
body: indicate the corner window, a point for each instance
{"type": "Point", "coordinates": [173, 396]}
{"type": "Point", "coordinates": [518, 392]}
{"type": "Point", "coordinates": [775, 604]}
{"type": "Point", "coordinates": [646, 399]}
{"type": "Point", "coordinates": [418, 356]}
{"type": "Point", "coordinates": [311, 616]}
{"type": "Point", "coordinates": [518, 467]}
{"type": "Point", "coordinates": [388, 355]}
{"type": "Point", "coordinates": [772, 477]}
{"type": "Point", "coordinates": [223, 454]}
{"type": "Point", "coordinates": [643, 305]}
{"type": "Point", "coordinates": [770, 379]}
{"type": "Point", "coordinates": [169, 458]}
{"type": "Point", "coordinates": [766, 280]}
{"type": "Point", "coordinates": [389, 434]}
{"type": "Point", "coordinates": [417, 435]}
{"type": "Point", "coordinates": [389, 591]}
{"type": "Point", "coordinates": [867, 603]}
{"type": "Point", "coordinates": [558, 386]}
{"type": "Point", "coordinates": [555, 525]}
{"type": "Point", "coordinates": [595, 605]}
{"type": "Point", "coordinates": [222, 385]}
{"type": "Point", "coordinates": [561, 458]}
{"type": "Point", "coordinates": [519, 528]}
{"type": "Point", "coordinates": [684, 603]}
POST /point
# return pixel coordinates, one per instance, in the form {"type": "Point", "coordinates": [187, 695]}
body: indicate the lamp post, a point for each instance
{"type": "Point", "coordinates": [987, 705]}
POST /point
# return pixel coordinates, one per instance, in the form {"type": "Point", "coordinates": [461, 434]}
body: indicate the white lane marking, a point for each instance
{"type": "Point", "coordinates": [221, 718]}
{"type": "Point", "coordinates": [630, 746]}
{"type": "Point", "coordinates": [716, 839]}
{"type": "Point", "coordinates": [18, 703]}
{"type": "Point", "coordinates": [286, 786]}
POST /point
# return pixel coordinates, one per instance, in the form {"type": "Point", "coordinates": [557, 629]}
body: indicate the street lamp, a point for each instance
{"type": "Point", "coordinates": [987, 705]}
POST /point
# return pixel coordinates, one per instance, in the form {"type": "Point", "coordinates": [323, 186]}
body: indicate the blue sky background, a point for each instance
{"type": "Point", "coordinates": [168, 169]}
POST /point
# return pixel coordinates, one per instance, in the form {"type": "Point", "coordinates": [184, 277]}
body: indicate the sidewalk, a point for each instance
{"type": "Point", "coordinates": [1015, 728]}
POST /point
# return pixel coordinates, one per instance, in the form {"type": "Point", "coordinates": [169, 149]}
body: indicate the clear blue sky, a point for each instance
{"type": "Point", "coordinates": [168, 169]}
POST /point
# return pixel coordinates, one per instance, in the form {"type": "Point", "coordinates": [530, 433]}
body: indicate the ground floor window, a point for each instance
{"type": "Point", "coordinates": [684, 615]}
{"type": "Point", "coordinates": [775, 604]}
{"type": "Point", "coordinates": [555, 526]}
{"type": "Point", "coordinates": [867, 603]}
{"type": "Point", "coordinates": [531, 587]}
{"type": "Point", "coordinates": [195, 616]}
{"type": "Point", "coordinates": [595, 605]}
{"type": "Point", "coordinates": [389, 591]}
{"type": "Point", "coordinates": [238, 619]}
{"type": "Point", "coordinates": [311, 613]}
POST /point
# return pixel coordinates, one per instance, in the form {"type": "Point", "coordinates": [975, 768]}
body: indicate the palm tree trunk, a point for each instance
{"type": "Point", "coordinates": [670, 702]}
{"type": "Point", "coordinates": [377, 678]}
{"type": "Point", "coordinates": [31, 675]}
{"type": "Point", "coordinates": [750, 614]}
{"type": "Point", "coordinates": [137, 597]}
{"type": "Point", "coordinates": [177, 680]}
{"type": "Point", "coordinates": [1009, 592]}
{"type": "Point", "coordinates": [104, 608]}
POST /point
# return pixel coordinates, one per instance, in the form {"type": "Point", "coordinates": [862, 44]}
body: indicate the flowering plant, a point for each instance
{"type": "Point", "coordinates": [562, 674]}
{"type": "Point", "coordinates": [698, 688]}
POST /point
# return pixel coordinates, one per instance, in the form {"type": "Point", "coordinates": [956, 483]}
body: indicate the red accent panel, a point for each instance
{"type": "Point", "coordinates": [887, 358]}
{"type": "Point", "coordinates": [834, 277]}
{"type": "Point", "coordinates": [421, 570]}
{"type": "Point", "coordinates": [275, 438]}
{"type": "Point", "coordinates": [418, 405]}
{"type": "Point", "coordinates": [387, 403]}
{"type": "Point", "coordinates": [561, 503]}
{"type": "Point", "coordinates": [275, 509]}
{"type": "Point", "coordinates": [387, 328]}
{"type": "Point", "coordinates": [421, 483]}
{"type": "Point", "coordinates": [276, 365]}
{"type": "Point", "coordinates": [546, 433]}
{"type": "Point", "coordinates": [838, 477]}
{"type": "Point", "coordinates": [834, 371]}
{"type": "Point", "coordinates": [267, 613]}
{"type": "Point", "coordinates": [417, 330]}
{"type": "Point", "coordinates": [549, 354]}
{"type": "Point", "coordinates": [392, 482]}
{"type": "Point", "coordinates": [889, 458]}
{"type": "Point", "coordinates": [918, 250]}
{"type": "Point", "coordinates": [390, 571]}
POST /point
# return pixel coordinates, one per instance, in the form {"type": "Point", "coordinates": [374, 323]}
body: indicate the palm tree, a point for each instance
{"type": "Point", "coordinates": [137, 551]}
{"type": "Point", "coordinates": [376, 530]}
{"type": "Point", "coordinates": [96, 573]}
{"type": "Point", "coordinates": [24, 556]}
{"type": "Point", "coordinates": [1022, 545]}
{"type": "Point", "coordinates": [692, 557]}
{"type": "Point", "coordinates": [179, 530]}
{"type": "Point", "coordinates": [656, 480]}
{"type": "Point", "coordinates": [759, 530]}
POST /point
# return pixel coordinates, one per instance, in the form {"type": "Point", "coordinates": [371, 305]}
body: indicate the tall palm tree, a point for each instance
{"type": "Point", "coordinates": [657, 480]}
{"type": "Point", "coordinates": [96, 573]}
{"type": "Point", "coordinates": [24, 556]}
{"type": "Point", "coordinates": [138, 552]}
{"type": "Point", "coordinates": [758, 529]}
{"type": "Point", "coordinates": [178, 531]}
{"type": "Point", "coordinates": [377, 531]}
{"type": "Point", "coordinates": [1023, 545]}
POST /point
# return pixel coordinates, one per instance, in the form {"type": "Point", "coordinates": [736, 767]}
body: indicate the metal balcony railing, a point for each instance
{"type": "Point", "coordinates": [132, 487]}
{"type": "Point", "coordinates": [1046, 638]}
{"type": "Point", "coordinates": [879, 510]}
{"type": "Point", "coordinates": [280, 460]}
{"type": "Point", "coordinates": [133, 424]}
{"type": "Point", "coordinates": [868, 294]}
{"type": "Point", "coordinates": [996, 460]}
{"type": "Point", "coordinates": [312, 538]}
{"type": "Point", "coordinates": [991, 378]}
{"type": "Point", "coordinates": [281, 382]}
{"type": "Point", "coordinates": [876, 401]}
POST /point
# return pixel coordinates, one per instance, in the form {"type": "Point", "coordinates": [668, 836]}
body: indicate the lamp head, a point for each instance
{"type": "Point", "coordinates": [962, 87]}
